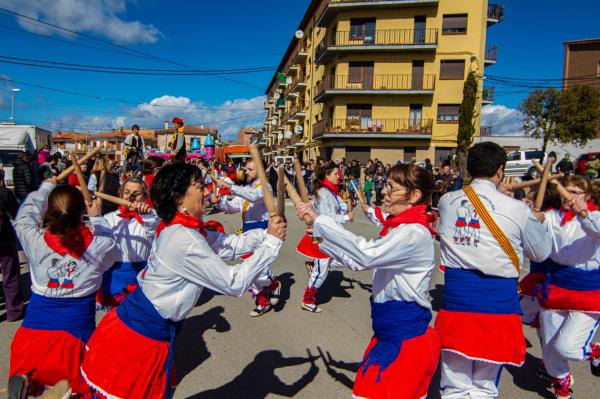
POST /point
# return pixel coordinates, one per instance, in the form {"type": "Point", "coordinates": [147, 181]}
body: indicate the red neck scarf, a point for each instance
{"type": "Point", "coordinates": [416, 214]}
{"type": "Point", "coordinates": [379, 214]}
{"type": "Point", "coordinates": [331, 187]}
{"type": "Point", "coordinates": [125, 213]}
{"type": "Point", "coordinates": [184, 220]}
{"type": "Point", "coordinates": [569, 215]}
{"type": "Point", "coordinates": [74, 244]}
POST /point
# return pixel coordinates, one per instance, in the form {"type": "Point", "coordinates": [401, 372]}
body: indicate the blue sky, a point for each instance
{"type": "Point", "coordinates": [221, 35]}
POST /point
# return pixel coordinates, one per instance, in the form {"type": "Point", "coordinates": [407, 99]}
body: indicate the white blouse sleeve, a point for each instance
{"type": "Point", "coordinates": [230, 206]}
{"type": "Point", "coordinates": [591, 225]}
{"type": "Point", "coordinates": [249, 193]}
{"type": "Point", "coordinates": [204, 267]}
{"type": "Point", "coordinates": [328, 206]}
{"type": "Point", "coordinates": [232, 246]}
{"type": "Point", "coordinates": [29, 216]}
{"type": "Point", "coordinates": [392, 251]}
{"type": "Point", "coordinates": [373, 217]}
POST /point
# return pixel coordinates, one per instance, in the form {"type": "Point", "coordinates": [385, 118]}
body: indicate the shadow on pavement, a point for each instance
{"type": "Point", "coordinates": [333, 287]}
{"type": "Point", "coordinates": [258, 378]}
{"type": "Point", "coordinates": [525, 377]}
{"type": "Point", "coordinates": [286, 280]}
{"type": "Point", "coordinates": [363, 286]}
{"type": "Point", "coordinates": [331, 365]}
{"type": "Point", "coordinates": [190, 348]}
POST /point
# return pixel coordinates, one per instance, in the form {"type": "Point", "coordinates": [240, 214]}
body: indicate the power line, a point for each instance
{"type": "Point", "coordinates": [125, 71]}
{"type": "Point", "coordinates": [140, 53]}
{"type": "Point", "coordinates": [122, 100]}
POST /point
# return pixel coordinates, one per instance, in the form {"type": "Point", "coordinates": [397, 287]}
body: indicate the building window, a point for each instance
{"type": "Point", "coordinates": [448, 113]}
{"type": "Point", "coordinates": [362, 28]}
{"type": "Point", "coordinates": [452, 69]}
{"type": "Point", "coordinates": [454, 24]}
{"type": "Point", "coordinates": [361, 72]}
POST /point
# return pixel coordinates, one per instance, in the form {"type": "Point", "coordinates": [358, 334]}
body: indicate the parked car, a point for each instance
{"type": "Point", "coordinates": [581, 163]}
{"type": "Point", "coordinates": [520, 163]}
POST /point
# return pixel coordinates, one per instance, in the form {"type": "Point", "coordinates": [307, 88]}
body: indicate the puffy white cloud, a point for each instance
{"type": "Point", "coordinates": [103, 17]}
{"type": "Point", "coordinates": [228, 117]}
{"type": "Point", "coordinates": [503, 120]}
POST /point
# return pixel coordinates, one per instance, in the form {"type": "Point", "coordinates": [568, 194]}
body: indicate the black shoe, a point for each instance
{"type": "Point", "coordinates": [595, 367]}
{"type": "Point", "coordinates": [543, 374]}
{"type": "Point", "coordinates": [17, 387]}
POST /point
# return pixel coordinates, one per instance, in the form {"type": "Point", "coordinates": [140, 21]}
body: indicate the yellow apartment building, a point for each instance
{"type": "Point", "coordinates": [366, 79]}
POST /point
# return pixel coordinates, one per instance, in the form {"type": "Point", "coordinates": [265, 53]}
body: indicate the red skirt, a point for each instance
{"type": "Point", "coordinates": [309, 249]}
{"type": "Point", "coordinates": [47, 357]}
{"type": "Point", "coordinates": [408, 377]}
{"type": "Point", "coordinates": [494, 338]}
{"type": "Point", "coordinates": [122, 363]}
{"type": "Point", "coordinates": [572, 300]}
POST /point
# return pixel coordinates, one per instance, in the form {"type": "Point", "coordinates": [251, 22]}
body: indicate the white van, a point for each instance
{"type": "Point", "coordinates": [15, 139]}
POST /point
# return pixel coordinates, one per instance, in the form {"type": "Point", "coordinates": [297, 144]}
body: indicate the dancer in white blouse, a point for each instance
{"type": "Point", "coordinates": [402, 356]}
{"type": "Point", "coordinates": [131, 353]}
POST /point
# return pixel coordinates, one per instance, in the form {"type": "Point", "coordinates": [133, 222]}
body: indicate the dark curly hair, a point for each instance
{"type": "Point", "coordinates": [169, 187]}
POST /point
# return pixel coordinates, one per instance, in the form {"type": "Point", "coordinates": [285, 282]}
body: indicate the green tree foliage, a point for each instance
{"type": "Point", "coordinates": [579, 115]}
{"type": "Point", "coordinates": [541, 114]}
{"type": "Point", "coordinates": [466, 115]}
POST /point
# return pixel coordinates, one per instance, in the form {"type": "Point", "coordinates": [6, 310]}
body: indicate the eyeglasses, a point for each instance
{"type": "Point", "coordinates": [573, 192]}
{"type": "Point", "coordinates": [389, 189]}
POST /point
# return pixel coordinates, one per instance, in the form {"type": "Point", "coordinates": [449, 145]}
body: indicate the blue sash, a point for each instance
{"type": "Point", "coordinates": [138, 313]}
{"type": "Point", "coordinates": [263, 224]}
{"type": "Point", "coordinates": [76, 316]}
{"type": "Point", "coordinates": [573, 278]}
{"type": "Point", "coordinates": [467, 290]}
{"type": "Point", "coordinates": [119, 276]}
{"type": "Point", "coordinates": [394, 322]}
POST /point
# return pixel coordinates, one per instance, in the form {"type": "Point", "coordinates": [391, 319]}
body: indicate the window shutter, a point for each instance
{"type": "Point", "coordinates": [452, 69]}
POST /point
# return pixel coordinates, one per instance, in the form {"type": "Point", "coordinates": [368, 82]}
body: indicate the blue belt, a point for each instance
{"type": "Point", "coordinates": [540, 267]}
{"type": "Point", "coordinates": [393, 322]}
{"type": "Point", "coordinates": [76, 316]}
{"type": "Point", "coordinates": [573, 278]}
{"type": "Point", "coordinates": [119, 276]}
{"type": "Point", "coordinates": [138, 313]}
{"type": "Point", "coordinates": [468, 290]}
{"type": "Point", "coordinates": [263, 224]}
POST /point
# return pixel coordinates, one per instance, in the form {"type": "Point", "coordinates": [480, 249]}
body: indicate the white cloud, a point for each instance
{"type": "Point", "coordinates": [102, 17]}
{"type": "Point", "coordinates": [503, 120]}
{"type": "Point", "coordinates": [228, 117]}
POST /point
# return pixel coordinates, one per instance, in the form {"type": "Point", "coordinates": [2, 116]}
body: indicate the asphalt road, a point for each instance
{"type": "Point", "coordinates": [223, 353]}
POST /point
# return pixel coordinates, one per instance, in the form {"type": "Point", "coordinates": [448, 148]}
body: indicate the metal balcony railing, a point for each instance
{"type": "Point", "coordinates": [300, 48]}
{"type": "Point", "coordinates": [355, 125]}
{"type": "Point", "coordinates": [376, 82]}
{"type": "Point", "coordinates": [379, 37]}
{"type": "Point", "coordinates": [294, 109]}
{"type": "Point", "coordinates": [485, 131]}
{"type": "Point", "coordinates": [488, 94]}
{"type": "Point", "coordinates": [491, 53]}
{"type": "Point", "coordinates": [495, 11]}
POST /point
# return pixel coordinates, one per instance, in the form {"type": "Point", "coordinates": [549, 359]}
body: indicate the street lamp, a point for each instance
{"type": "Point", "coordinates": [12, 114]}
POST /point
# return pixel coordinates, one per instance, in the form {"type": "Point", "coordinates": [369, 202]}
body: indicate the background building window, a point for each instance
{"type": "Point", "coordinates": [448, 113]}
{"type": "Point", "coordinates": [452, 69]}
{"type": "Point", "coordinates": [454, 24]}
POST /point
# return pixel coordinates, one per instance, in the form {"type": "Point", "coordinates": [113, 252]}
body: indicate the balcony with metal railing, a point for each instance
{"type": "Point", "coordinates": [373, 85]}
{"type": "Point", "coordinates": [354, 127]}
{"type": "Point", "coordinates": [491, 53]}
{"type": "Point", "coordinates": [300, 53]}
{"type": "Point", "coordinates": [487, 95]}
{"type": "Point", "coordinates": [331, 8]}
{"type": "Point", "coordinates": [495, 14]}
{"type": "Point", "coordinates": [485, 131]}
{"type": "Point", "coordinates": [373, 40]}
{"type": "Point", "coordinates": [297, 112]}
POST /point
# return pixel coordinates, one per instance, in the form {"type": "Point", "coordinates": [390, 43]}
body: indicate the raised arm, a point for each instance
{"type": "Point", "coordinates": [27, 222]}
{"type": "Point", "coordinates": [396, 250]}
{"type": "Point", "coordinates": [232, 246]}
{"type": "Point", "coordinates": [204, 267]}
{"type": "Point", "coordinates": [536, 238]}
{"type": "Point", "coordinates": [249, 193]}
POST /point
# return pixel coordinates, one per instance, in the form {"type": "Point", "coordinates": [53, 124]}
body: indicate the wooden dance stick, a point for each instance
{"type": "Point", "coordinates": [82, 184]}
{"type": "Point", "coordinates": [562, 191]}
{"type": "Point", "coordinates": [360, 198]}
{"type": "Point", "coordinates": [65, 173]}
{"type": "Point", "coordinates": [213, 176]}
{"type": "Point", "coordinates": [300, 180]}
{"type": "Point", "coordinates": [113, 199]}
{"type": "Point", "coordinates": [296, 199]}
{"type": "Point", "coordinates": [280, 191]}
{"type": "Point", "coordinates": [260, 171]}
{"type": "Point", "coordinates": [102, 185]}
{"type": "Point", "coordinates": [539, 199]}
{"type": "Point", "coordinates": [534, 182]}
{"type": "Point", "coordinates": [349, 199]}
